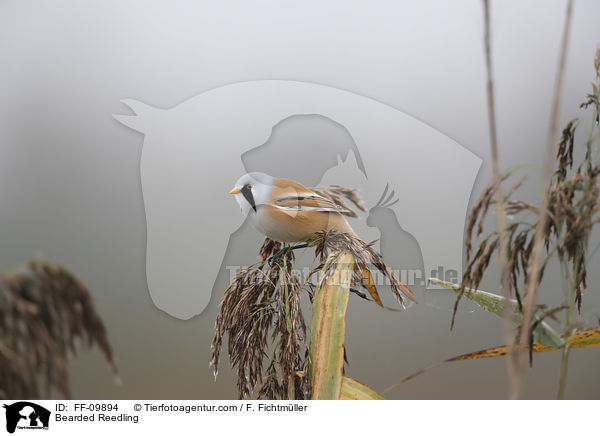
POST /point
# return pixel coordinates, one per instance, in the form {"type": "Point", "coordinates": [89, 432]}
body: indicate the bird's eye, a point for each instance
{"type": "Point", "coordinates": [247, 186]}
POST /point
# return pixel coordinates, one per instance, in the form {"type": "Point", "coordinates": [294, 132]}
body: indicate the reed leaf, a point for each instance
{"type": "Point", "coordinates": [353, 390]}
{"type": "Point", "coordinates": [494, 303]}
{"type": "Point", "coordinates": [328, 326]}
{"type": "Point", "coordinates": [581, 338]}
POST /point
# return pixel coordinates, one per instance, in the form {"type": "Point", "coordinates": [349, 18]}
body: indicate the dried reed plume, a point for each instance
{"type": "Point", "coordinates": [260, 312]}
{"type": "Point", "coordinates": [572, 212]}
{"type": "Point", "coordinates": [45, 312]}
{"type": "Point", "coordinates": [544, 212]}
{"type": "Point", "coordinates": [263, 303]}
{"type": "Point", "coordinates": [364, 256]}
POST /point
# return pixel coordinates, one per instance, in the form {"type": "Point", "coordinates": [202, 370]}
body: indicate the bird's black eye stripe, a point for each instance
{"type": "Point", "coordinates": [247, 193]}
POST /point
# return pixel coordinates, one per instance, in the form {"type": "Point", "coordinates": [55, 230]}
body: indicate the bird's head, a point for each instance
{"type": "Point", "coordinates": [251, 190]}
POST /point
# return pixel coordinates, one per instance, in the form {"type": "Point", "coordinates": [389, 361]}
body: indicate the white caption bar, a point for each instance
{"type": "Point", "coordinates": [23, 417]}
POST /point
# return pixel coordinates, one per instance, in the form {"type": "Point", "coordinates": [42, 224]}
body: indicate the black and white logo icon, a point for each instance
{"type": "Point", "coordinates": [26, 415]}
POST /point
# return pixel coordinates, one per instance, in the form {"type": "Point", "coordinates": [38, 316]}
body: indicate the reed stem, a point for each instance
{"type": "Point", "coordinates": [498, 195]}
{"type": "Point", "coordinates": [536, 256]}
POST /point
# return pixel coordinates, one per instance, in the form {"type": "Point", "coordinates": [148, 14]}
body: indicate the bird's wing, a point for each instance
{"type": "Point", "coordinates": [308, 201]}
{"type": "Point", "coordinates": [292, 196]}
{"type": "Point", "coordinates": [333, 196]}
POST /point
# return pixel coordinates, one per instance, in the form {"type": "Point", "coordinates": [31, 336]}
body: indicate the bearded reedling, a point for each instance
{"type": "Point", "coordinates": [286, 211]}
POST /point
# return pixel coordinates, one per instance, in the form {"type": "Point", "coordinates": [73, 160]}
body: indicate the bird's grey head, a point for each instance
{"type": "Point", "coordinates": [251, 190]}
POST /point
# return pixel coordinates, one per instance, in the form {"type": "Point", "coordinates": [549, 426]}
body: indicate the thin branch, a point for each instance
{"type": "Point", "coordinates": [534, 272]}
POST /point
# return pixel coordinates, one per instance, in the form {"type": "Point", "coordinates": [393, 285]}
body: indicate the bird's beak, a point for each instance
{"type": "Point", "coordinates": [235, 191]}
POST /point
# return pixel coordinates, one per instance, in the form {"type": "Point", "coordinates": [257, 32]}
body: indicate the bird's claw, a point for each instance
{"type": "Point", "coordinates": [284, 250]}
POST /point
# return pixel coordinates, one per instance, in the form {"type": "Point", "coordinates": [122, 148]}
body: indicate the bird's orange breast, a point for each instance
{"type": "Point", "coordinates": [297, 225]}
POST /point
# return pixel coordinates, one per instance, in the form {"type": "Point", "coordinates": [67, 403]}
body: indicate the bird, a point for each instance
{"type": "Point", "coordinates": [287, 211]}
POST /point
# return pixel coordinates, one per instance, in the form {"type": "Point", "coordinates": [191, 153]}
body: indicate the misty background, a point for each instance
{"type": "Point", "coordinates": [70, 183]}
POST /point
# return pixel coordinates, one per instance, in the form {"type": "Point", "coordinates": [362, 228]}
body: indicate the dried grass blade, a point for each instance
{"type": "Point", "coordinates": [367, 281]}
